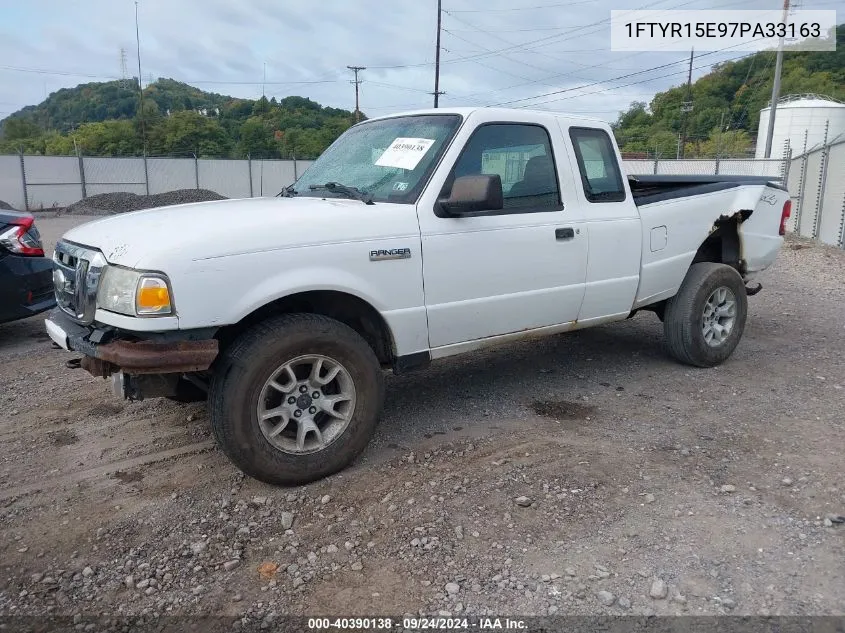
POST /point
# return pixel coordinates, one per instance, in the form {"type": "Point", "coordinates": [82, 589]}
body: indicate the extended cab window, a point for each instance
{"type": "Point", "coordinates": [522, 157]}
{"type": "Point", "coordinates": [600, 173]}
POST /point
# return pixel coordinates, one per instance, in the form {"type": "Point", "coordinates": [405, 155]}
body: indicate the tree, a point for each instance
{"type": "Point", "coordinates": [56, 144]}
{"type": "Point", "coordinates": [186, 133]}
{"type": "Point", "coordinates": [257, 139]}
{"type": "Point", "coordinates": [107, 138]}
{"type": "Point", "coordinates": [15, 129]}
{"type": "Point", "coordinates": [731, 96]}
{"type": "Point", "coordinates": [720, 143]}
{"type": "Point", "coordinates": [262, 106]}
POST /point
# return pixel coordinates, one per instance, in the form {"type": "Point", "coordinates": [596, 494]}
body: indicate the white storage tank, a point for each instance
{"type": "Point", "coordinates": [796, 114]}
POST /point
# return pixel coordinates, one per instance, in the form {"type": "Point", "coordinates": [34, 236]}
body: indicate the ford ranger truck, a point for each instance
{"type": "Point", "coordinates": [412, 238]}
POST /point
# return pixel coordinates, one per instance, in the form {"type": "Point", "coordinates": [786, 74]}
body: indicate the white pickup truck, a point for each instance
{"type": "Point", "coordinates": [413, 237]}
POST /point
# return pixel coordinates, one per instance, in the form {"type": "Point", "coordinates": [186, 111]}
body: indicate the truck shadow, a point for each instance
{"type": "Point", "coordinates": [508, 382]}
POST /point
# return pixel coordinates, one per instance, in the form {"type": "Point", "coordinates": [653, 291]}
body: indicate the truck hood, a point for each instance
{"type": "Point", "coordinates": [151, 238]}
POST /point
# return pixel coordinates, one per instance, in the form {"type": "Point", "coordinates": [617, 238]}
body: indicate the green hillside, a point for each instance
{"type": "Point", "coordinates": [103, 120]}
{"type": "Point", "coordinates": [731, 95]}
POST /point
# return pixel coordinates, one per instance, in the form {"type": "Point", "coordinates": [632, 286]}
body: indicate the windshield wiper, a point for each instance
{"type": "Point", "coordinates": [287, 192]}
{"type": "Point", "coordinates": [349, 192]}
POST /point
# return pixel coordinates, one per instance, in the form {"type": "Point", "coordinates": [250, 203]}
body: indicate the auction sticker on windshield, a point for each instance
{"type": "Point", "coordinates": [405, 153]}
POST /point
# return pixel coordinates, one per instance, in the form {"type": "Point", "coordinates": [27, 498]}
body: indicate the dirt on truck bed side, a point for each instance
{"type": "Point", "coordinates": [588, 474]}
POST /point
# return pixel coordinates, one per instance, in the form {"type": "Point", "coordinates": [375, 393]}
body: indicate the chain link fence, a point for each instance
{"type": "Point", "coordinates": [45, 182]}
{"type": "Point", "coordinates": [817, 186]}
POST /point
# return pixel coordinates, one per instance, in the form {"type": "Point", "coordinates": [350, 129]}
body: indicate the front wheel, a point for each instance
{"type": "Point", "coordinates": [704, 322]}
{"type": "Point", "coordinates": [296, 398]}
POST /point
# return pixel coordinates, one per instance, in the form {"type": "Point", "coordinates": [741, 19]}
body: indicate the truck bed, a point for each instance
{"type": "Point", "coordinates": [648, 189]}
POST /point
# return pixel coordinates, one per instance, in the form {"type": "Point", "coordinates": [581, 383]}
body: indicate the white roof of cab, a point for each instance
{"type": "Point", "coordinates": [504, 113]}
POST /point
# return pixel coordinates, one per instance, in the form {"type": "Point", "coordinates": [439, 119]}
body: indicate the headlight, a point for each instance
{"type": "Point", "coordinates": [134, 293]}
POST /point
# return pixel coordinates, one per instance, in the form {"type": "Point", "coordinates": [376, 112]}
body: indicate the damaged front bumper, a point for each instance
{"type": "Point", "coordinates": [110, 351]}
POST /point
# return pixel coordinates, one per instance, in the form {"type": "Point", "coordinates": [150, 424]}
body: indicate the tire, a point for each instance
{"type": "Point", "coordinates": [240, 387]}
{"type": "Point", "coordinates": [685, 323]}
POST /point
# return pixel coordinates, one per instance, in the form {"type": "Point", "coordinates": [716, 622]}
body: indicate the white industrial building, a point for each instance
{"type": "Point", "coordinates": [802, 123]}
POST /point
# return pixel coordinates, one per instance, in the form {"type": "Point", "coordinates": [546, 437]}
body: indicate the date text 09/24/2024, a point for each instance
{"type": "Point", "coordinates": [416, 624]}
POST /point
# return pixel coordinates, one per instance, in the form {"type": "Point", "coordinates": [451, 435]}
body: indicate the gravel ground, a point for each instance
{"type": "Point", "coordinates": [121, 201]}
{"type": "Point", "coordinates": [587, 474]}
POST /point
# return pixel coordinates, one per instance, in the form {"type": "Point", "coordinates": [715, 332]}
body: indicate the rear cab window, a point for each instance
{"type": "Point", "coordinates": [601, 175]}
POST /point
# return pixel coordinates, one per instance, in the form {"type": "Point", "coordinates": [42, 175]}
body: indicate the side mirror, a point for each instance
{"type": "Point", "coordinates": [474, 193]}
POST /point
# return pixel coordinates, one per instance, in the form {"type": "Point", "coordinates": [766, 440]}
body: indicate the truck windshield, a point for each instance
{"type": "Point", "coordinates": [390, 160]}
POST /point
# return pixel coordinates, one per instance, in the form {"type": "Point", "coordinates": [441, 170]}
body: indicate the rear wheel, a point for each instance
{"type": "Point", "coordinates": [704, 322]}
{"type": "Point", "coordinates": [296, 398]}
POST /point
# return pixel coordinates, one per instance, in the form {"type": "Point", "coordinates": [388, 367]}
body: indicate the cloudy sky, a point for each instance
{"type": "Point", "coordinates": [494, 51]}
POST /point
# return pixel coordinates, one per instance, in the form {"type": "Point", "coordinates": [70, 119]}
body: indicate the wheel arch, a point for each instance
{"type": "Point", "coordinates": [724, 244]}
{"type": "Point", "coordinates": [343, 306]}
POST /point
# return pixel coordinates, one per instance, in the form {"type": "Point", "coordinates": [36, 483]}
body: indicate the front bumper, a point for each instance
{"type": "Point", "coordinates": [26, 287]}
{"type": "Point", "coordinates": [108, 351]}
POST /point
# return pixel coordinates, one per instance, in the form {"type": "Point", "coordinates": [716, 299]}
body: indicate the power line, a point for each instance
{"type": "Point", "coordinates": [537, 44]}
{"type": "Point", "coordinates": [625, 76]}
{"type": "Point", "coordinates": [543, 6]}
{"type": "Point", "coordinates": [547, 28]}
{"type": "Point", "coordinates": [633, 83]}
{"type": "Point", "coordinates": [382, 84]}
{"type": "Point", "coordinates": [269, 83]}
{"type": "Point", "coordinates": [595, 83]}
{"type": "Point", "coordinates": [504, 41]}
{"type": "Point", "coordinates": [66, 73]}
{"type": "Point", "coordinates": [475, 61]}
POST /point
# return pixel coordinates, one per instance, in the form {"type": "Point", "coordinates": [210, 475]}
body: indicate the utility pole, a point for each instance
{"type": "Point", "coordinates": [719, 138]}
{"type": "Point", "coordinates": [686, 108]}
{"type": "Point", "coordinates": [437, 91]}
{"type": "Point", "coordinates": [140, 84]}
{"type": "Point", "coordinates": [356, 70]}
{"type": "Point", "coordinates": [264, 81]}
{"type": "Point", "coordinates": [776, 87]}
{"type": "Point", "coordinates": [124, 73]}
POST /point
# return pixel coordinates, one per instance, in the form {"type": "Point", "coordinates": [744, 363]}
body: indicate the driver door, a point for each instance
{"type": "Point", "coordinates": [518, 268]}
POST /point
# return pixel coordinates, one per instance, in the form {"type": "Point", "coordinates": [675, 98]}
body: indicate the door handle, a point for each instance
{"type": "Point", "coordinates": [564, 234]}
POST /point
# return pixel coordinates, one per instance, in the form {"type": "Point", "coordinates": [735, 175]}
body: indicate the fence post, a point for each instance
{"type": "Point", "coordinates": [822, 182]}
{"type": "Point", "coordinates": [295, 174]}
{"type": "Point", "coordinates": [197, 170]}
{"type": "Point", "coordinates": [717, 165]}
{"type": "Point", "coordinates": [787, 165]}
{"type": "Point", "coordinates": [146, 173]}
{"type": "Point", "coordinates": [655, 164]}
{"type": "Point", "coordinates": [802, 185]}
{"type": "Point", "coordinates": [81, 170]}
{"type": "Point", "coordinates": [23, 181]}
{"type": "Point", "coordinates": [842, 225]}
{"type": "Point", "coordinates": [249, 169]}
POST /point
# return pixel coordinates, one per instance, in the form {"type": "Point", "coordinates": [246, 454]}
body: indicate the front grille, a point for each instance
{"type": "Point", "coordinates": [76, 277]}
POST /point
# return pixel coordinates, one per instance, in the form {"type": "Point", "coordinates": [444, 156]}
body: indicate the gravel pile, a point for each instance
{"type": "Point", "coordinates": [123, 201]}
{"type": "Point", "coordinates": [6, 206]}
